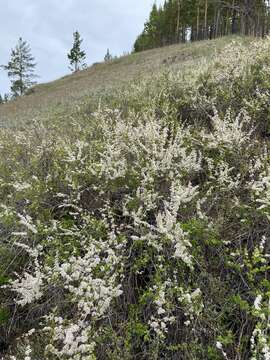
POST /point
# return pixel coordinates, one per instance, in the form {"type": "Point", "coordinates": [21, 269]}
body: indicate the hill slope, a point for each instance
{"type": "Point", "coordinates": [63, 94]}
{"type": "Point", "coordinates": [137, 226]}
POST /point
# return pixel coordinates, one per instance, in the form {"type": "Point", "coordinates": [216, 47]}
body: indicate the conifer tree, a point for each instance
{"type": "Point", "coordinates": [76, 56]}
{"type": "Point", "coordinates": [108, 56]}
{"type": "Point", "coordinates": [20, 68]}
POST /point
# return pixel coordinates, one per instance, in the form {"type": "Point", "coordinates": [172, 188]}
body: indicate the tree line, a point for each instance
{"type": "Point", "coordinates": [179, 21]}
{"type": "Point", "coordinates": [21, 66]}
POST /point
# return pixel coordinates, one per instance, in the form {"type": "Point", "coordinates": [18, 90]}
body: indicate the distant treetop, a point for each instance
{"type": "Point", "coordinates": [108, 56]}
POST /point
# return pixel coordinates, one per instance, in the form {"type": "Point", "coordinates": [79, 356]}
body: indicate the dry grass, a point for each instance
{"type": "Point", "coordinates": [65, 93]}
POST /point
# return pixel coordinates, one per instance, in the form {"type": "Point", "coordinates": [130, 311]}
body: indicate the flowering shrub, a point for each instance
{"type": "Point", "coordinates": [142, 229]}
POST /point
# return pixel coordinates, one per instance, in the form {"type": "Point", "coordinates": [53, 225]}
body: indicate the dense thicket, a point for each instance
{"type": "Point", "coordinates": [182, 20]}
{"type": "Point", "coordinates": [140, 230]}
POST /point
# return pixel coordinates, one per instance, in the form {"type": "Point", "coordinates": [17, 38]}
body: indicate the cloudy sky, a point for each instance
{"type": "Point", "coordinates": [47, 25]}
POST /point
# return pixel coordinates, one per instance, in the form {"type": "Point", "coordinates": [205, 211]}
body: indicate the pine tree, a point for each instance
{"type": "Point", "coordinates": [108, 56]}
{"type": "Point", "coordinates": [20, 68]}
{"type": "Point", "coordinates": [76, 56]}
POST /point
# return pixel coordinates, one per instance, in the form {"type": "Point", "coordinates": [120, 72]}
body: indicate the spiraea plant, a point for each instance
{"type": "Point", "coordinates": [141, 230]}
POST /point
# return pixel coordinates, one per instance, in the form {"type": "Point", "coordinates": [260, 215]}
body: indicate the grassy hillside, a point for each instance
{"type": "Point", "coordinates": [62, 95]}
{"type": "Point", "coordinates": [135, 209]}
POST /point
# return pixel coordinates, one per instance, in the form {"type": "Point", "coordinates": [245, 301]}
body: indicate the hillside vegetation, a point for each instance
{"type": "Point", "coordinates": [92, 85]}
{"type": "Point", "coordinates": [134, 217]}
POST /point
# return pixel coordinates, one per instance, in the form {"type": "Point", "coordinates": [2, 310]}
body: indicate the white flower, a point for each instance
{"type": "Point", "coordinates": [196, 293]}
{"type": "Point", "coordinates": [219, 345]}
{"type": "Point", "coordinates": [161, 311]}
{"type": "Point", "coordinates": [257, 302]}
{"type": "Point", "coordinates": [27, 222]}
{"type": "Point", "coordinates": [21, 186]}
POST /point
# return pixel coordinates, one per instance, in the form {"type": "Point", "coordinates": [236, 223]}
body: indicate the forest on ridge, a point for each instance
{"type": "Point", "coordinates": [183, 20]}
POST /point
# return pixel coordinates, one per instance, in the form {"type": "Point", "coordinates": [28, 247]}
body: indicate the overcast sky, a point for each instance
{"type": "Point", "coordinates": [47, 25]}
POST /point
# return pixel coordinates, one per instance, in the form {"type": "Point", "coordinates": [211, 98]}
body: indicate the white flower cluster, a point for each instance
{"type": "Point", "coordinates": [167, 224]}
{"type": "Point", "coordinates": [192, 303]}
{"type": "Point", "coordinates": [92, 294]}
{"type": "Point", "coordinates": [27, 353]}
{"type": "Point", "coordinates": [163, 318]}
{"type": "Point", "coordinates": [90, 282]}
{"type": "Point", "coordinates": [261, 190]}
{"type": "Point", "coordinates": [146, 149]}
{"type": "Point", "coordinates": [219, 346]}
{"type": "Point", "coordinates": [229, 132]}
{"type": "Point", "coordinates": [260, 341]}
{"type": "Point", "coordinates": [260, 344]}
{"type": "Point", "coordinates": [28, 287]}
{"type": "Point", "coordinates": [75, 339]}
{"type": "Point", "coordinates": [27, 222]}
